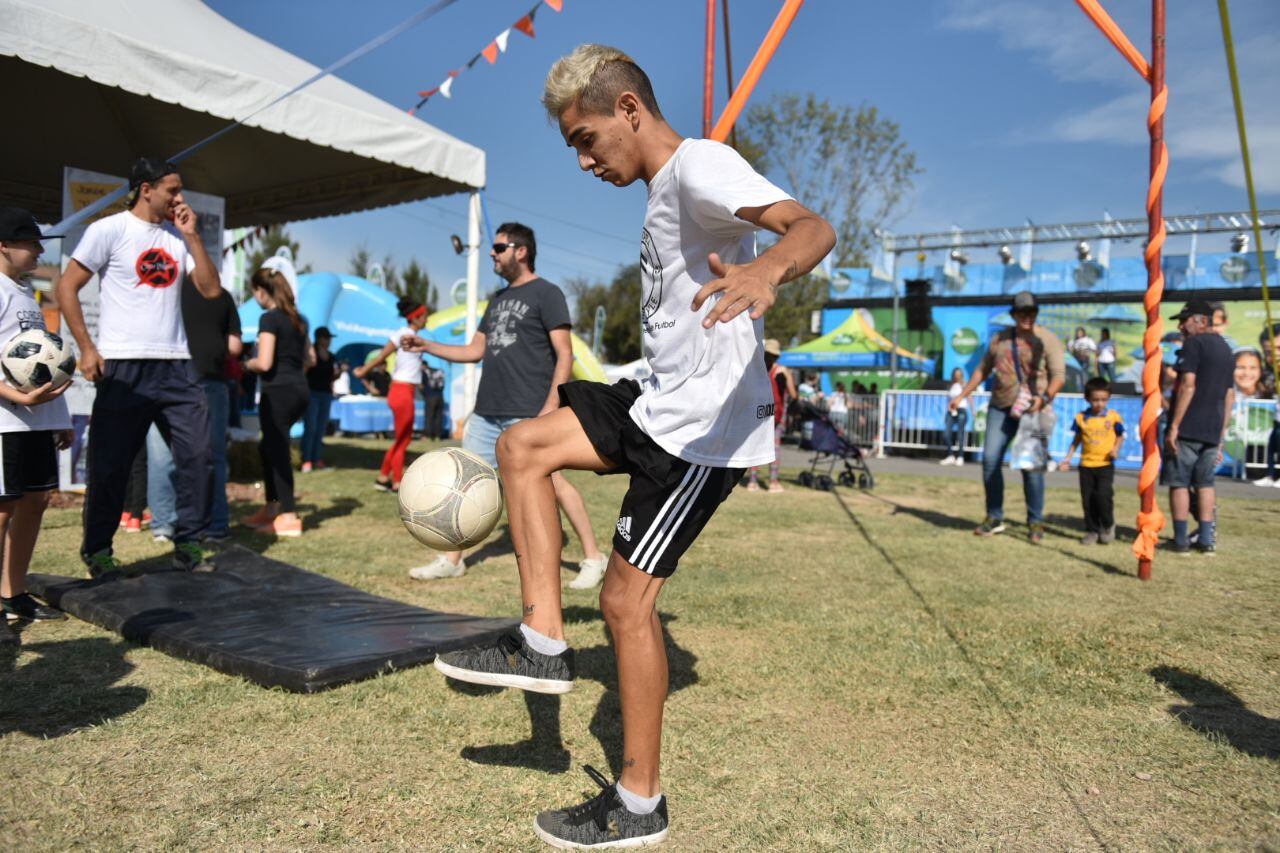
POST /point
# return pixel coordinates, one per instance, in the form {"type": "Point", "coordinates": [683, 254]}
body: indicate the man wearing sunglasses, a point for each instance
{"type": "Point", "coordinates": [525, 342]}
{"type": "Point", "coordinates": [1027, 369]}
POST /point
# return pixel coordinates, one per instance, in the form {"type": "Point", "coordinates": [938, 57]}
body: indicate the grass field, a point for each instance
{"type": "Point", "coordinates": [849, 671]}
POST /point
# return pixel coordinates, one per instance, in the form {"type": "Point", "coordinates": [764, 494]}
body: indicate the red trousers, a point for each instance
{"type": "Point", "coordinates": [400, 399]}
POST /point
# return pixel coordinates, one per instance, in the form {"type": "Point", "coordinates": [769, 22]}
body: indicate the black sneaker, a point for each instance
{"type": "Point", "coordinates": [24, 608]}
{"type": "Point", "coordinates": [190, 557]}
{"type": "Point", "coordinates": [989, 527]}
{"type": "Point", "coordinates": [104, 566]}
{"type": "Point", "coordinates": [510, 662]}
{"type": "Point", "coordinates": [1208, 550]}
{"type": "Point", "coordinates": [1181, 549]}
{"type": "Point", "coordinates": [602, 821]}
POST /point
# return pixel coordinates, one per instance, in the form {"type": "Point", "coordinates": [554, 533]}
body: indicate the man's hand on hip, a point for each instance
{"type": "Point", "coordinates": [743, 287]}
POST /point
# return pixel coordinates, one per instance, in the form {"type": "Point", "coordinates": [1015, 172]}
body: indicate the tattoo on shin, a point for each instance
{"type": "Point", "coordinates": [630, 762]}
{"type": "Point", "coordinates": [528, 609]}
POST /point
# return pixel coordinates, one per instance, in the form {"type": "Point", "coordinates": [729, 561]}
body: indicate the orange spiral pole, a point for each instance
{"type": "Point", "coordinates": [1150, 518]}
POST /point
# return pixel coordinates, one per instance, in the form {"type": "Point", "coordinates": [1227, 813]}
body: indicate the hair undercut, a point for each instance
{"type": "Point", "coordinates": [1095, 385]}
{"type": "Point", "coordinates": [593, 77]}
{"type": "Point", "coordinates": [521, 235]}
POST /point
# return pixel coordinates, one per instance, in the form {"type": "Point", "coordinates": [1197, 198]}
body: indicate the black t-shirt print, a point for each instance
{"type": "Point", "coordinates": [519, 361]}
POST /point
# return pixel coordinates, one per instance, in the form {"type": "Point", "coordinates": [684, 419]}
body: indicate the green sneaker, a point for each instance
{"type": "Point", "coordinates": [191, 557]}
{"type": "Point", "coordinates": [104, 566]}
{"type": "Point", "coordinates": [1036, 536]}
{"type": "Point", "coordinates": [989, 527]}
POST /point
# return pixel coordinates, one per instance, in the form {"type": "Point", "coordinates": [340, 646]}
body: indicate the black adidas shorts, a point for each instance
{"type": "Point", "coordinates": [28, 463]}
{"type": "Point", "coordinates": [670, 500]}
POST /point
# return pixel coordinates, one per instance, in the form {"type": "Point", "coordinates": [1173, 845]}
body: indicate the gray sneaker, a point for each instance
{"type": "Point", "coordinates": [510, 662]}
{"type": "Point", "coordinates": [602, 821]}
{"type": "Point", "coordinates": [1090, 538]}
{"type": "Point", "coordinates": [1107, 536]}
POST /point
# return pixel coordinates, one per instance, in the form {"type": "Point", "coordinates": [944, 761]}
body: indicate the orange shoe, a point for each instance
{"type": "Point", "coordinates": [261, 518]}
{"type": "Point", "coordinates": [124, 519]}
{"type": "Point", "coordinates": [133, 525]}
{"type": "Point", "coordinates": [282, 526]}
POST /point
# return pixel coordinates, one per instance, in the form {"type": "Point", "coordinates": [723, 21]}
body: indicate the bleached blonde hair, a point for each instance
{"type": "Point", "coordinates": [593, 77]}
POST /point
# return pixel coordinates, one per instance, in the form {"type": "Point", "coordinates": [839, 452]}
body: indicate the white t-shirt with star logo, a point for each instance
{"type": "Point", "coordinates": [708, 400]}
{"type": "Point", "coordinates": [140, 266]}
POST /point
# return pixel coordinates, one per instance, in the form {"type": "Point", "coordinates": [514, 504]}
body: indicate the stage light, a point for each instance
{"type": "Point", "coordinates": [959, 256]}
{"type": "Point", "coordinates": [1240, 243]}
{"type": "Point", "coordinates": [1006, 255]}
{"type": "Point", "coordinates": [1083, 252]}
{"type": "Point", "coordinates": [458, 247]}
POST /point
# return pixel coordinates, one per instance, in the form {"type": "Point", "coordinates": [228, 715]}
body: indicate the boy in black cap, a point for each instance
{"type": "Point", "coordinates": [141, 362]}
{"type": "Point", "coordinates": [1203, 395]}
{"type": "Point", "coordinates": [34, 425]}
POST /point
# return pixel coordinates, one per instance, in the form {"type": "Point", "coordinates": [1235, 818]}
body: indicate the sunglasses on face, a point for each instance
{"type": "Point", "coordinates": [499, 248]}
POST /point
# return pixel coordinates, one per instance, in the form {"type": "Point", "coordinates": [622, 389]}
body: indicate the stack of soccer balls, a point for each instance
{"type": "Point", "coordinates": [450, 499]}
{"type": "Point", "coordinates": [34, 358]}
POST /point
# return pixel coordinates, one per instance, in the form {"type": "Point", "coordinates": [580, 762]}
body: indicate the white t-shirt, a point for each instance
{"type": "Point", "coordinates": [708, 400]}
{"type": "Point", "coordinates": [1106, 351]}
{"type": "Point", "coordinates": [19, 312]}
{"type": "Point", "coordinates": [837, 404]}
{"type": "Point", "coordinates": [956, 389]}
{"type": "Point", "coordinates": [140, 266]}
{"type": "Point", "coordinates": [408, 364]}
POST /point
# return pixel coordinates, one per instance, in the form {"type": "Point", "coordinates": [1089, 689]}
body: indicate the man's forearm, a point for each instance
{"type": "Point", "coordinates": [452, 352]}
{"type": "Point", "coordinates": [806, 243]}
{"type": "Point", "coordinates": [69, 305]}
{"type": "Point", "coordinates": [208, 279]}
{"type": "Point", "coordinates": [562, 374]}
{"type": "Point", "coordinates": [1180, 406]}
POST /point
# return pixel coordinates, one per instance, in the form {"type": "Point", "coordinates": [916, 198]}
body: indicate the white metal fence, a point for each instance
{"type": "Point", "coordinates": [916, 420]}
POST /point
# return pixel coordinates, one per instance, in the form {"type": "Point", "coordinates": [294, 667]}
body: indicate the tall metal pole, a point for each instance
{"type": "Point", "coordinates": [1155, 277]}
{"type": "Point", "coordinates": [709, 69]}
{"type": "Point", "coordinates": [473, 298]}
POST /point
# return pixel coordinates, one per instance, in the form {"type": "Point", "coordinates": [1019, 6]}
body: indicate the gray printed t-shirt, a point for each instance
{"type": "Point", "coordinates": [519, 361]}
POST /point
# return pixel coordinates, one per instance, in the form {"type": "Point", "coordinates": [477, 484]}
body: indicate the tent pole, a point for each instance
{"type": "Point", "coordinates": [473, 298]}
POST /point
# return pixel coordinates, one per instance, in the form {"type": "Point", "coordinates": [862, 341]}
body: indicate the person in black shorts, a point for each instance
{"type": "Point", "coordinates": [684, 437]}
{"type": "Point", "coordinates": [282, 356]}
{"type": "Point", "coordinates": [1202, 400]}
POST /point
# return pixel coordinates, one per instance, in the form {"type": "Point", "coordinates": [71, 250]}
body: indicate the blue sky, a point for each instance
{"type": "Point", "coordinates": [1016, 108]}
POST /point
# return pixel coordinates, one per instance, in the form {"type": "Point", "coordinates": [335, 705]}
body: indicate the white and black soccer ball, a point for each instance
{"type": "Point", "coordinates": [450, 499]}
{"type": "Point", "coordinates": [36, 357]}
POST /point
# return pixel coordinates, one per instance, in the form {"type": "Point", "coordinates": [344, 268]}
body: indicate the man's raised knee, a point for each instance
{"type": "Point", "coordinates": [513, 449]}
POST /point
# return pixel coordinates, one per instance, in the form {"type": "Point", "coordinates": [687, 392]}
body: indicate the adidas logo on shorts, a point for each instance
{"type": "Point", "coordinates": [624, 527]}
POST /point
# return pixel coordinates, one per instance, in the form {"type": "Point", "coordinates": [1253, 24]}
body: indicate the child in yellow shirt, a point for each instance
{"type": "Point", "coordinates": [1100, 432]}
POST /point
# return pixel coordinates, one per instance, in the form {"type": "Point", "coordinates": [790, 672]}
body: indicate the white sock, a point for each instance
{"type": "Point", "coordinates": [635, 803]}
{"type": "Point", "coordinates": [541, 643]}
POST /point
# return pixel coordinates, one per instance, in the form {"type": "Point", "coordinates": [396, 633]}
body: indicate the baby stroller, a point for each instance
{"type": "Point", "coordinates": [819, 434]}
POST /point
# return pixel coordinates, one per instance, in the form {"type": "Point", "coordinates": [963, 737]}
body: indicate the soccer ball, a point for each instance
{"type": "Point", "coordinates": [36, 357]}
{"type": "Point", "coordinates": [450, 499]}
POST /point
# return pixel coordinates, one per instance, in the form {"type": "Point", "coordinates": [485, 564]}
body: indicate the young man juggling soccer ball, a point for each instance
{"type": "Point", "coordinates": [685, 436]}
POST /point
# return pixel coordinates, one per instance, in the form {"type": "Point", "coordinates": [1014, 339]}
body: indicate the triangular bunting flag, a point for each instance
{"type": "Point", "coordinates": [525, 25]}
{"type": "Point", "coordinates": [447, 85]}
{"type": "Point", "coordinates": [558, 5]}
{"type": "Point", "coordinates": [429, 92]}
{"type": "Point", "coordinates": [490, 52]}
{"type": "Point", "coordinates": [501, 40]}
{"type": "Point", "coordinates": [473, 60]}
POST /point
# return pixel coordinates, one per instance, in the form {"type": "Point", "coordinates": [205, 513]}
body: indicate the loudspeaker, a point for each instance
{"type": "Point", "coordinates": [919, 314]}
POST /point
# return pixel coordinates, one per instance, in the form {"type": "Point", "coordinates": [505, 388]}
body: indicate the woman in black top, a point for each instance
{"type": "Point", "coordinates": [283, 355]}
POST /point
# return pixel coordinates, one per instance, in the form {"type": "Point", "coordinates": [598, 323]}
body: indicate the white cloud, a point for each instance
{"type": "Point", "coordinates": [1200, 127]}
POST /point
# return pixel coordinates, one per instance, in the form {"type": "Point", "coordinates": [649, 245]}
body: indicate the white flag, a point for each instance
{"type": "Point", "coordinates": [502, 40]}
{"type": "Point", "coordinates": [1104, 247]}
{"type": "Point", "coordinates": [445, 87]}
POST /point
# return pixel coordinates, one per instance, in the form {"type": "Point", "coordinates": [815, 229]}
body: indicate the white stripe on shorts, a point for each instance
{"type": "Point", "coordinates": [671, 524]}
{"type": "Point", "coordinates": [653, 528]}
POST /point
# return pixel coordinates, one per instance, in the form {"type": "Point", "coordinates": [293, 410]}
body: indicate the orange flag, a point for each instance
{"type": "Point", "coordinates": [491, 52]}
{"type": "Point", "coordinates": [525, 25]}
{"type": "Point", "coordinates": [558, 5]}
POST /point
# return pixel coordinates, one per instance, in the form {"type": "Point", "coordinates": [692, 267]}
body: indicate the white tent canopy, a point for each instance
{"type": "Point", "coordinates": [105, 81]}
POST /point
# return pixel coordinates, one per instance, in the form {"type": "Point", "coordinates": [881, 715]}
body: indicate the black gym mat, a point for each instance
{"type": "Point", "coordinates": [267, 621]}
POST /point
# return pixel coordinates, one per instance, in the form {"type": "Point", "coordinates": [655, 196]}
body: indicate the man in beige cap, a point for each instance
{"type": "Point", "coordinates": [784, 391]}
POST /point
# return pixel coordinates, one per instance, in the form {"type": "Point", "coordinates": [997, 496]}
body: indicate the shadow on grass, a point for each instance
{"type": "Point", "coordinates": [1073, 524]}
{"type": "Point", "coordinates": [69, 686]}
{"type": "Point", "coordinates": [973, 665]}
{"type": "Point", "coordinates": [544, 749]}
{"type": "Point", "coordinates": [1215, 710]}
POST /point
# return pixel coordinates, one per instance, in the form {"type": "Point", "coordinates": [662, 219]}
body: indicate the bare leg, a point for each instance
{"type": "Point", "coordinates": [1180, 503]}
{"type": "Point", "coordinates": [629, 602]}
{"type": "Point", "coordinates": [528, 453]}
{"type": "Point", "coordinates": [570, 500]}
{"type": "Point", "coordinates": [20, 541]}
{"type": "Point", "coordinates": [1205, 509]}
